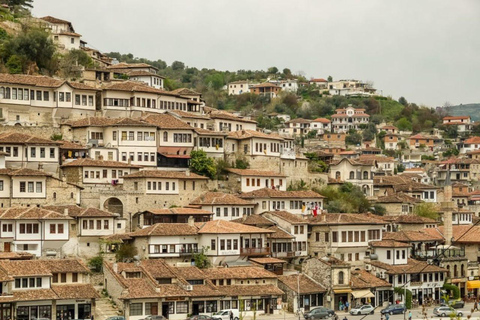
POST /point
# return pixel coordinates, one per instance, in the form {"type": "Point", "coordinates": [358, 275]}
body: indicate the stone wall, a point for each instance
{"type": "Point", "coordinates": [45, 131]}
{"type": "Point", "coordinates": [113, 287]}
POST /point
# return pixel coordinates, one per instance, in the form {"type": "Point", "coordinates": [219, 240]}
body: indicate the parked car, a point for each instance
{"type": "Point", "coordinates": [225, 314]}
{"type": "Point", "coordinates": [156, 317]}
{"type": "Point", "coordinates": [446, 312]}
{"type": "Point", "coordinates": [200, 317]}
{"type": "Point", "coordinates": [116, 318]}
{"type": "Point", "coordinates": [457, 304]}
{"type": "Point", "coordinates": [319, 313]}
{"type": "Point", "coordinates": [365, 309]}
{"type": "Point", "coordinates": [394, 309]}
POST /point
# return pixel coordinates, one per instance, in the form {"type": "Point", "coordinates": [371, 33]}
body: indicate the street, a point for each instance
{"type": "Point", "coordinates": [416, 315]}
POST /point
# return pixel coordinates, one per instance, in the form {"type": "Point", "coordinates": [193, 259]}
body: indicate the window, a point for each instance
{"type": "Point", "coordinates": [389, 254]}
{"type": "Point", "coordinates": [60, 228]}
{"type": "Point", "coordinates": [334, 236]}
{"type": "Point", "coordinates": [165, 136]}
{"type": "Point", "coordinates": [136, 309]}
{"type": "Point", "coordinates": [53, 228]}
{"type": "Point", "coordinates": [222, 244]}
{"type": "Point", "coordinates": [39, 187]}
{"type": "Point", "coordinates": [52, 153]}
{"type": "Point", "coordinates": [341, 277]}
{"type": "Point", "coordinates": [74, 277]}
{"type": "Point", "coordinates": [30, 187]}
{"type": "Point", "coordinates": [182, 307]}
{"type": "Point", "coordinates": [22, 186]}
{"type": "Point", "coordinates": [33, 152]}
{"type": "Point", "coordinates": [213, 244]}
{"type": "Point", "coordinates": [105, 224]}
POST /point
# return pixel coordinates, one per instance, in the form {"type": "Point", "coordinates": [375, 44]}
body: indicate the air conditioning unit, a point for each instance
{"type": "Point", "coordinates": [51, 253]}
{"type": "Point", "coordinates": [189, 287]}
{"type": "Point", "coordinates": [368, 267]}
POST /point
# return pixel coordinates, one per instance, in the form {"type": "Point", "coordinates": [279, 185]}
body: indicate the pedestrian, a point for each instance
{"type": "Point", "coordinates": [345, 318]}
{"type": "Point", "coordinates": [346, 306]}
{"type": "Point", "coordinates": [475, 305]}
{"type": "Point", "coordinates": [381, 316]}
{"type": "Point", "coordinates": [387, 316]}
{"type": "Point", "coordinates": [410, 315]}
{"type": "Point", "coordinates": [340, 306]}
{"type": "Point", "coordinates": [92, 317]}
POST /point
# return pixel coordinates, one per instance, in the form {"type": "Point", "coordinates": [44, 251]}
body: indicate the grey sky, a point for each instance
{"type": "Point", "coordinates": [427, 51]}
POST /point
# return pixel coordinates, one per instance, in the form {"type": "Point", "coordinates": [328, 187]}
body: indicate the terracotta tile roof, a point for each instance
{"type": "Point", "coordinates": [412, 236]}
{"type": "Point", "coordinates": [185, 114]}
{"type": "Point", "coordinates": [256, 173]}
{"type": "Point", "coordinates": [227, 227]}
{"type": "Point", "coordinates": [78, 212]}
{"type": "Point", "coordinates": [220, 114]}
{"type": "Point", "coordinates": [217, 198]}
{"type": "Point", "coordinates": [265, 85]}
{"type": "Point", "coordinates": [31, 295]}
{"type": "Point", "coordinates": [108, 122]}
{"type": "Point", "coordinates": [345, 219]}
{"type": "Point", "coordinates": [399, 197]}
{"type": "Point", "coordinates": [166, 229]}
{"type": "Point", "coordinates": [279, 233]}
{"type": "Point", "coordinates": [29, 213]}
{"type": "Point", "coordinates": [66, 265]}
{"type": "Point", "coordinates": [4, 277]}
{"type": "Point", "coordinates": [157, 268]}
{"type": "Point", "coordinates": [23, 172]}
{"type": "Point", "coordinates": [254, 220]}
{"type": "Point", "coordinates": [472, 140]}
{"type": "Point", "coordinates": [134, 86]}
{"type": "Point", "coordinates": [71, 145]}
{"type": "Point", "coordinates": [182, 175]}
{"type": "Point", "coordinates": [125, 65]}
{"type": "Point", "coordinates": [263, 261]}
{"type": "Point", "coordinates": [413, 219]}
{"type": "Point", "coordinates": [239, 273]}
{"type": "Point", "coordinates": [28, 80]}
{"type": "Point", "coordinates": [205, 291]}
{"type": "Point", "coordinates": [185, 92]}
{"type": "Point", "coordinates": [271, 193]}
{"type": "Point", "coordinates": [86, 162]}
{"type": "Point", "coordinates": [456, 117]}
{"type": "Point", "coordinates": [248, 134]}
{"type": "Point", "coordinates": [322, 120]}
{"type": "Point", "coordinates": [287, 216]}
{"type": "Point", "coordinates": [306, 284]}
{"type": "Point", "coordinates": [389, 244]}
{"type": "Point", "coordinates": [318, 80]}
{"type": "Point", "coordinates": [205, 132]}
{"type": "Point", "coordinates": [402, 182]}
{"type": "Point", "coordinates": [332, 261]}
{"type": "Point", "coordinates": [461, 233]}
{"type": "Point", "coordinates": [252, 290]}
{"type": "Point", "coordinates": [389, 128]}
{"type": "Point", "coordinates": [299, 120]}
{"type": "Point", "coordinates": [21, 138]}
{"type": "Point", "coordinates": [166, 121]}
{"type": "Point", "coordinates": [137, 289]}
{"type": "Point", "coordinates": [117, 238]}
{"type": "Point", "coordinates": [21, 268]}
{"type": "Point", "coordinates": [75, 291]}
{"type": "Point", "coordinates": [142, 73]}
{"type": "Point", "coordinates": [361, 279]}
{"type": "Point", "coordinates": [16, 256]}
{"type": "Point", "coordinates": [412, 267]}
{"type": "Point", "coordinates": [190, 273]}
{"type": "Point", "coordinates": [179, 211]}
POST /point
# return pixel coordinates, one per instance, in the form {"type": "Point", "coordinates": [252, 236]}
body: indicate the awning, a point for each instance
{"type": "Point", "coordinates": [358, 294]}
{"type": "Point", "coordinates": [342, 290]}
{"type": "Point", "coordinates": [473, 284]}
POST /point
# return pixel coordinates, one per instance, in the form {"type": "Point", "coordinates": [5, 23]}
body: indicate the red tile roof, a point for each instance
{"type": "Point", "coordinates": [182, 175]}
{"type": "Point", "coordinates": [218, 198]}
{"type": "Point", "coordinates": [271, 193]}
{"type": "Point", "coordinates": [256, 173]}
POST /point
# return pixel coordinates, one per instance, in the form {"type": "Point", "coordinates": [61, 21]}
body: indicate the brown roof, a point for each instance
{"type": "Point", "coordinates": [271, 193]}
{"type": "Point", "coordinates": [467, 234]}
{"type": "Point", "coordinates": [134, 86]}
{"type": "Point", "coordinates": [389, 244]}
{"type": "Point", "coordinates": [86, 162]}
{"type": "Point", "coordinates": [182, 175]}
{"type": "Point", "coordinates": [179, 211]}
{"type": "Point", "coordinates": [21, 268]}
{"type": "Point", "coordinates": [252, 290]}
{"type": "Point", "coordinates": [79, 212]}
{"type": "Point", "coordinates": [225, 227]}
{"type": "Point", "coordinates": [66, 265]}
{"type": "Point", "coordinates": [55, 20]}
{"type": "Point", "coordinates": [189, 273]}
{"type": "Point", "coordinates": [166, 229]}
{"type": "Point", "coordinates": [249, 272]}
{"type": "Point", "coordinates": [412, 236]}
{"type": "Point", "coordinates": [361, 279]}
{"type": "Point", "coordinates": [185, 91]}
{"type": "Point", "coordinates": [108, 122]}
{"type": "Point", "coordinates": [125, 65]}
{"type": "Point", "coordinates": [15, 256]}
{"type": "Point", "coordinates": [141, 73]}
{"type": "Point", "coordinates": [306, 284]}
{"type": "Point", "coordinates": [248, 134]}
{"type": "Point", "coordinates": [412, 267]}
{"type": "Point", "coordinates": [72, 145]}
{"type": "Point", "coordinates": [166, 121]}
{"type": "Point", "coordinates": [267, 260]}
{"type": "Point", "coordinates": [287, 216]}
{"type": "Point", "coordinates": [345, 219]}
{"type": "Point", "coordinates": [21, 138]}
{"type": "Point", "coordinates": [222, 114]}
{"type": "Point", "coordinates": [185, 114]}
{"type": "Point", "coordinates": [413, 219]}
{"type": "Point", "coordinates": [75, 291]}
{"type": "Point", "coordinates": [257, 173]}
{"type": "Point", "coordinates": [398, 197]}
{"type": "Point", "coordinates": [254, 220]}
{"type": "Point", "coordinates": [279, 233]}
{"type": "Point", "coordinates": [207, 132]}
{"type": "Point", "coordinates": [157, 268]}
{"type": "Point", "coordinates": [217, 198]}
{"type": "Point", "coordinates": [30, 213]}
{"type": "Point", "coordinates": [23, 172]}
{"type": "Point", "coordinates": [41, 81]}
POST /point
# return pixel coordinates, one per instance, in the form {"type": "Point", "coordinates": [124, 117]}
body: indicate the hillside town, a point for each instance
{"type": "Point", "coordinates": [122, 199]}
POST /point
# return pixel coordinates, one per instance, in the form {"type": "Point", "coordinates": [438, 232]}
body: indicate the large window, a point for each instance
{"type": "Point", "coordinates": [136, 309]}
{"type": "Point", "coordinates": [182, 307]}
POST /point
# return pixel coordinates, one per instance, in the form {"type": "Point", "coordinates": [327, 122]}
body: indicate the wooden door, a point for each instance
{"type": "Point", "coordinates": [6, 247]}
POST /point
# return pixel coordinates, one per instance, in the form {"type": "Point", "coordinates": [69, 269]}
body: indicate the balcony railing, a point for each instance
{"type": "Point", "coordinates": [254, 251]}
{"type": "Point", "coordinates": [188, 251]}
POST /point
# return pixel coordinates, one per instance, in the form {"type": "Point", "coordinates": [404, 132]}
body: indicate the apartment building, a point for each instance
{"type": "Point", "coordinates": [225, 206]}
{"type": "Point", "coordinates": [348, 118]}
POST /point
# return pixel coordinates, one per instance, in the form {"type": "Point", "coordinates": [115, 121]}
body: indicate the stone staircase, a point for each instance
{"type": "Point", "coordinates": [105, 308]}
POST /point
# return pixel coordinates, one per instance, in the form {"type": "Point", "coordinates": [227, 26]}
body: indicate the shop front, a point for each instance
{"type": "Point", "coordinates": [73, 309]}
{"type": "Point", "coordinates": [340, 298]}
{"type": "Point", "coordinates": [361, 297]}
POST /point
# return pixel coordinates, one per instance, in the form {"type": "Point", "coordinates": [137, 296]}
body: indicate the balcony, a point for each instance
{"type": "Point", "coordinates": [254, 251]}
{"type": "Point", "coordinates": [188, 252]}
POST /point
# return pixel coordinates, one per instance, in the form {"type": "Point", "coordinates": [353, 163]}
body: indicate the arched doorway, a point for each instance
{"type": "Point", "coordinates": [114, 205]}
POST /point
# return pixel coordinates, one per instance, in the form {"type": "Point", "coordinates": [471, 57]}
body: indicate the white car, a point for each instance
{"type": "Point", "coordinates": [365, 309]}
{"type": "Point", "coordinates": [225, 314]}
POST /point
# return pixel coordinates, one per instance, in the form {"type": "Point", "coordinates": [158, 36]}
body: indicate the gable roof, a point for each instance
{"type": "Point", "coordinates": [248, 134]}
{"type": "Point", "coordinates": [75, 211]}
{"type": "Point", "coordinates": [216, 198]}
{"type": "Point", "coordinates": [227, 227]}
{"type": "Point", "coordinates": [362, 279]}
{"type": "Point", "coordinates": [413, 236]}
{"type": "Point", "coordinates": [166, 229]}
{"type": "Point", "coordinates": [345, 219]}
{"type": "Point", "coordinates": [166, 121]}
{"type": "Point", "coordinates": [182, 175]}
{"type": "Point", "coordinates": [306, 284]}
{"type": "Point", "coordinates": [87, 162]}
{"type": "Point", "coordinates": [179, 211]}
{"type": "Point", "coordinates": [250, 272]}
{"type": "Point", "coordinates": [254, 220]}
{"type": "Point", "coordinates": [273, 193]}
{"type": "Point", "coordinates": [108, 122]}
{"type": "Point", "coordinates": [287, 216]}
{"type": "Point", "coordinates": [256, 173]}
{"type": "Point", "coordinates": [412, 267]}
{"type": "Point", "coordinates": [23, 172]}
{"type": "Point", "coordinates": [22, 138]}
{"type": "Point", "coordinates": [41, 81]}
{"type": "Point", "coordinates": [31, 213]}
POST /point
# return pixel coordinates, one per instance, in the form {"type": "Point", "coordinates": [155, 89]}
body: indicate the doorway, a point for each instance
{"type": "Point", "coordinates": [165, 307]}
{"type": "Point", "coordinates": [7, 247]}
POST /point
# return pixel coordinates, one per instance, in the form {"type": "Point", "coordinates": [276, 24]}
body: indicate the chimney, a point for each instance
{"type": "Point", "coordinates": [115, 267]}
{"type": "Point", "coordinates": [191, 221]}
{"type": "Point", "coordinates": [187, 173]}
{"type": "Point", "coordinates": [65, 212]}
{"type": "Point", "coordinates": [447, 207]}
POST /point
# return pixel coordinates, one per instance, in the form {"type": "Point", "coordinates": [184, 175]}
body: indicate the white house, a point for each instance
{"type": "Point", "coordinates": [247, 180]}
{"type": "Point", "coordinates": [63, 33]}
{"type": "Point", "coordinates": [349, 118]}
{"type": "Point", "coordinates": [225, 206]}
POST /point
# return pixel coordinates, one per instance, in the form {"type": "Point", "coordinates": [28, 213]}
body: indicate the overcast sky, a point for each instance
{"type": "Point", "coordinates": [427, 51]}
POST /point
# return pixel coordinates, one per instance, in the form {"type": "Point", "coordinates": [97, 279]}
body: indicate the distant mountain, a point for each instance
{"type": "Point", "coordinates": [471, 109]}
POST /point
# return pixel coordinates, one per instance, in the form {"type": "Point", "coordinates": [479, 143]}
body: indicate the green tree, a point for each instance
{"type": "Point", "coordinates": [241, 163]}
{"type": "Point", "coordinates": [19, 5]}
{"type": "Point", "coordinates": [329, 79]}
{"type": "Point", "coordinates": [177, 65]}
{"type": "Point", "coordinates": [404, 124]}
{"type": "Point", "coordinates": [401, 291]}
{"type": "Point", "coordinates": [353, 139]}
{"type": "Point", "coordinates": [272, 70]}
{"type": "Point", "coordinates": [403, 101]}
{"type": "Point", "coordinates": [96, 263]}
{"type": "Point", "coordinates": [287, 72]}
{"type": "Point", "coordinates": [427, 210]}
{"type": "Point", "coordinates": [73, 62]}
{"type": "Point", "coordinates": [379, 210]}
{"type": "Point", "coordinates": [14, 64]}
{"type": "Point", "coordinates": [126, 252]}
{"type": "Point", "coordinates": [201, 258]}
{"type": "Point", "coordinates": [201, 164]}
